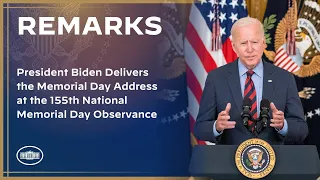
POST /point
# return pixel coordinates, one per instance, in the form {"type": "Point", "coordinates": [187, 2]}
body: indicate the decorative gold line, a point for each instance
{"type": "Point", "coordinates": [98, 1]}
{"type": "Point", "coordinates": [43, 7]}
{"type": "Point", "coordinates": [8, 83]}
{"type": "Point", "coordinates": [38, 7]}
{"type": "Point", "coordinates": [70, 172]}
{"type": "Point", "coordinates": [100, 178]}
{"type": "Point", "coordinates": [193, 140]}
{"type": "Point", "coordinates": [1, 89]}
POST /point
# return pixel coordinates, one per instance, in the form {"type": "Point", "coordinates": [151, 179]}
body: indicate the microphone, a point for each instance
{"type": "Point", "coordinates": [264, 111]}
{"type": "Point", "coordinates": [246, 108]}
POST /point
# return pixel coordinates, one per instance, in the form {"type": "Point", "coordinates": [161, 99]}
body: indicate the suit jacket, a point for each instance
{"type": "Point", "coordinates": [223, 86]}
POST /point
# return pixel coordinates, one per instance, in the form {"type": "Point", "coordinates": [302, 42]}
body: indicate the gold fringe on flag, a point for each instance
{"type": "Point", "coordinates": [291, 43]}
{"type": "Point", "coordinates": [216, 36]}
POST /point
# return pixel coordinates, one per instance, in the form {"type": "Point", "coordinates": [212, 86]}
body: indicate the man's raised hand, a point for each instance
{"type": "Point", "coordinates": [223, 122]}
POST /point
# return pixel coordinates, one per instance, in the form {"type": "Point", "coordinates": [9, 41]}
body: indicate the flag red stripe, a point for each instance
{"type": "Point", "coordinates": [293, 66]}
{"type": "Point", "coordinates": [288, 65]}
{"type": "Point", "coordinates": [283, 61]}
{"type": "Point", "coordinates": [198, 46]}
{"type": "Point", "coordinates": [228, 52]}
{"type": "Point", "coordinates": [296, 69]}
{"type": "Point", "coordinates": [279, 56]}
{"type": "Point", "coordinates": [193, 83]}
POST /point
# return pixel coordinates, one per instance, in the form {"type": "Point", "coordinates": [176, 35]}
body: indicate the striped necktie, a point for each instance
{"type": "Point", "coordinates": [250, 92]}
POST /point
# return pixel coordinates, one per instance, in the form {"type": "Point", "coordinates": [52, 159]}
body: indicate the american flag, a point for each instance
{"type": "Point", "coordinates": [198, 44]}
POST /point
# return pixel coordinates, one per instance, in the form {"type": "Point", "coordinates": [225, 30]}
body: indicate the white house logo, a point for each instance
{"type": "Point", "coordinates": [29, 155]}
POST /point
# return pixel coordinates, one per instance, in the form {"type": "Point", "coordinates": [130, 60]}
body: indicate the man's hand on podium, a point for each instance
{"type": "Point", "coordinates": [223, 122]}
{"type": "Point", "coordinates": [277, 120]}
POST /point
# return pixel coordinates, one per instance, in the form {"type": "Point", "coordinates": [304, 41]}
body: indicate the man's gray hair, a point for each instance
{"type": "Point", "coordinates": [244, 22]}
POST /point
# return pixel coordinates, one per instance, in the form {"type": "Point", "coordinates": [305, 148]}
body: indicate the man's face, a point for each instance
{"type": "Point", "coordinates": [249, 43]}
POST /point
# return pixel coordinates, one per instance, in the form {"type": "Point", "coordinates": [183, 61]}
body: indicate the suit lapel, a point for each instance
{"type": "Point", "coordinates": [268, 81]}
{"type": "Point", "coordinates": [234, 84]}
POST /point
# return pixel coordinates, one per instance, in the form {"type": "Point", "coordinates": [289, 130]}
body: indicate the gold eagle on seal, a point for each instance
{"type": "Point", "coordinates": [307, 38]}
{"type": "Point", "coordinates": [255, 157]}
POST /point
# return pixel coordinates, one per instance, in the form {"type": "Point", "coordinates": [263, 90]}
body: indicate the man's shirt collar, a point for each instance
{"type": "Point", "coordinates": [258, 70]}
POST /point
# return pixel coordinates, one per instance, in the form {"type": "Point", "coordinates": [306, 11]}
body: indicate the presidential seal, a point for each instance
{"type": "Point", "coordinates": [255, 158]}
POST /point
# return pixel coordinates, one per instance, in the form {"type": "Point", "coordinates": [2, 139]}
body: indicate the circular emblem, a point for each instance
{"type": "Point", "coordinates": [255, 158]}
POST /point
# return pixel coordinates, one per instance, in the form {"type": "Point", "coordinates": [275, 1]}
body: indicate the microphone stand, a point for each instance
{"type": "Point", "coordinates": [254, 127]}
{"type": "Point", "coordinates": [258, 127]}
{"type": "Point", "coordinates": [255, 130]}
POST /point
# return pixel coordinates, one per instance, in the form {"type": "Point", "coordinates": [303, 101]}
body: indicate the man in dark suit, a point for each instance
{"type": "Point", "coordinates": [219, 119]}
